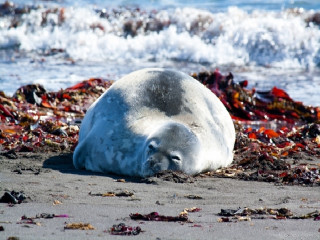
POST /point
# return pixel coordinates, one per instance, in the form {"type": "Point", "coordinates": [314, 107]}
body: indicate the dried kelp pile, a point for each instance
{"type": "Point", "coordinates": [278, 139]}
{"type": "Point", "coordinates": [282, 156]}
{"type": "Point", "coordinates": [275, 134]}
{"type": "Point", "coordinates": [37, 120]}
{"type": "Point", "coordinates": [247, 214]}
{"type": "Point", "coordinates": [244, 104]}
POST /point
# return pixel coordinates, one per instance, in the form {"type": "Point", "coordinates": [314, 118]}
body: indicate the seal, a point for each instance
{"type": "Point", "coordinates": [152, 120]}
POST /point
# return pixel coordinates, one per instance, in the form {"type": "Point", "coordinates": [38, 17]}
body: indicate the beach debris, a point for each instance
{"type": "Point", "coordinates": [224, 219]}
{"type": "Point", "coordinates": [159, 203]}
{"type": "Point", "coordinates": [35, 120]}
{"type": "Point", "coordinates": [280, 212]}
{"type": "Point", "coordinates": [56, 202]}
{"type": "Point", "coordinates": [246, 214]}
{"type": "Point", "coordinates": [11, 154]}
{"type": "Point", "coordinates": [228, 212]}
{"type": "Point", "coordinates": [124, 193]}
{"type": "Point", "coordinates": [154, 216]}
{"type": "Point", "coordinates": [79, 226]}
{"type": "Point", "coordinates": [193, 209]}
{"type": "Point", "coordinates": [32, 220]}
{"type": "Point", "coordinates": [272, 129]}
{"type": "Point", "coordinates": [13, 238]}
{"type": "Point", "coordinates": [253, 105]}
{"type": "Point", "coordinates": [256, 158]}
{"type": "Point", "coordinates": [24, 220]}
{"type": "Point", "coordinates": [1, 228]}
{"type": "Point", "coordinates": [13, 197]}
{"type": "Point", "coordinates": [170, 176]}
{"type": "Point", "coordinates": [120, 180]}
{"type": "Point", "coordinates": [4, 221]}
{"type": "Point", "coordinates": [191, 196]}
{"type": "Point", "coordinates": [196, 225]}
{"type": "Point", "coordinates": [302, 174]}
{"type": "Point", "coordinates": [188, 210]}
{"type": "Point", "coordinates": [31, 93]}
{"type": "Point", "coordinates": [122, 229]}
{"type": "Point", "coordinates": [49, 215]}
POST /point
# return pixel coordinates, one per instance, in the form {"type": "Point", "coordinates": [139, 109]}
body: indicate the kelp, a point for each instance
{"type": "Point", "coordinates": [252, 105]}
{"type": "Point", "coordinates": [124, 193]}
{"type": "Point", "coordinates": [276, 156]}
{"type": "Point", "coordinates": [32, 220]}
{"type": "Point", "coordinates": [154, 216]}
{"type": "Point", "coordinates": [246, 214]}
{"type": "Point", "coordinates": [79, 226]}
{"type": "Point", "coordinates": [13, 197]}
{"type": "Point", "coordinates": [124, 230]}
{"type": "Point", "coordinates": [36, 120]}
{"type": "Point", "coordinates": [274, 132]}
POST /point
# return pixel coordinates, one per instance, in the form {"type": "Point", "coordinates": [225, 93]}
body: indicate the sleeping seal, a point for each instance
{"type": "Point", "coordinates": [152, 120]}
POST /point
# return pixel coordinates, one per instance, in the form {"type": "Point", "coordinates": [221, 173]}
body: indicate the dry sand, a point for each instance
{"type": "Point", "coordinates": [48, 177]}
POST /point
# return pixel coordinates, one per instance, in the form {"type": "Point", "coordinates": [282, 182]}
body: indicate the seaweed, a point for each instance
{"type": "Point", "coordinates": [154, 216]}
{"type": "Point", "coordinates": [246, 214]}
{"type": "Point", "coordinates": [13, 197]}
{"type": "Point", "coordinates": [122, 229]}
{"type": "Point", "coordinates": [79, 226]}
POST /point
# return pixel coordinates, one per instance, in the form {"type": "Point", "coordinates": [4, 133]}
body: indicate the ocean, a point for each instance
{"type": "Point", "coordinates": [59, 43]}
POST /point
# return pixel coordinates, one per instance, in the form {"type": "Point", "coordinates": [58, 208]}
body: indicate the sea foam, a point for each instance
{"type": "Point", "coordinates": [235, 37]}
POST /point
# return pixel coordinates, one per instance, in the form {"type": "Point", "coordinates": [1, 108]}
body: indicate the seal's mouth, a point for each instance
{"type": "Point", "coordinates": [151, 167]}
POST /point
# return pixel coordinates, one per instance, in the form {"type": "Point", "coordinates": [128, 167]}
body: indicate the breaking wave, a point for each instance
{"type": "Point", "coordinates": [283, 39]}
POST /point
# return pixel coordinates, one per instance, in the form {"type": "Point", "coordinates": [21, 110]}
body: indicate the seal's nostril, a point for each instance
{"type": "Point", "coordinates": [156, 167]}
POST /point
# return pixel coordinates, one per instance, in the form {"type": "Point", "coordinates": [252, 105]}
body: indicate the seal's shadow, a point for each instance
{"type": "Point", "coordinates": [64, 164]}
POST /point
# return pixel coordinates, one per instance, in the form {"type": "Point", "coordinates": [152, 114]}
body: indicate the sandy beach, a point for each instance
{"type": "Point", "coordinates": [260, 59]}
{"type": "Point", "coordinates": [52, 185]}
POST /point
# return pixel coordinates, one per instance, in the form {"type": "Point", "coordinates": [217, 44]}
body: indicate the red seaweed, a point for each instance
{"type": "Point", "coordinates": [245, 104]}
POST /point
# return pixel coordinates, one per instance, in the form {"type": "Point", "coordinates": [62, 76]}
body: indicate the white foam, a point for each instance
{"type": "Point", "coordinates": [235, 37]}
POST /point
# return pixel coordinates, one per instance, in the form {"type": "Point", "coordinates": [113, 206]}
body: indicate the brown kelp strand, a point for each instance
{"type": "Point", "coordinates": [154, 216]}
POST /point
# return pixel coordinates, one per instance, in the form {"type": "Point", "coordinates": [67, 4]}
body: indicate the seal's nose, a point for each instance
{"type": "Point", "coordinates": [156, 167]}
{"type": "Point", "coordinates": [158, 162]}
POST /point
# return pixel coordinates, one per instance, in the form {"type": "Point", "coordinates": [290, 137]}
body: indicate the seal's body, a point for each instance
{"type": "Point", "coordinates": [153, 120]}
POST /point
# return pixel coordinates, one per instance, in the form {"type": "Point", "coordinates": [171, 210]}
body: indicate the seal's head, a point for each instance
{"type": "Point", "coordinates": [173, 146]}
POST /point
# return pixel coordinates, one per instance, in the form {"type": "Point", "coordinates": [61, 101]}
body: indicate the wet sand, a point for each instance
{"type": "Point", "coordinates": [47, 177]}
